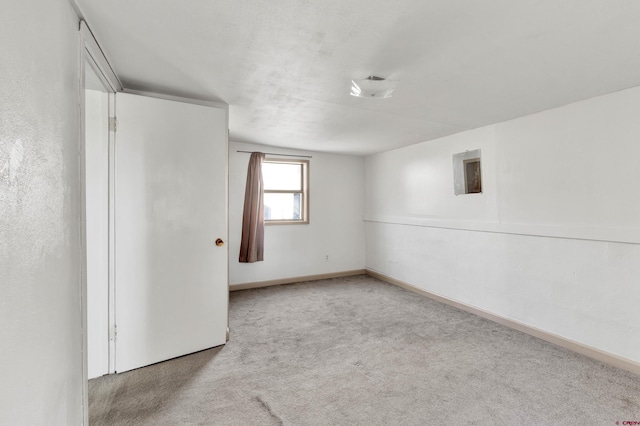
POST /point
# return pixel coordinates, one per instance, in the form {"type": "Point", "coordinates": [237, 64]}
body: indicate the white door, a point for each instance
{"type": "Point", "coordinates": [171, 205]}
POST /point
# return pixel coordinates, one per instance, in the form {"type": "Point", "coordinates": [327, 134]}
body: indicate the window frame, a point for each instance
{"type": "Point", "coordinates": [304, 191]}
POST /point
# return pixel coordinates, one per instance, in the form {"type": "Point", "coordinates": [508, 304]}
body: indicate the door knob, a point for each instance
{"type": "Point", "coordinates": [219, 242]}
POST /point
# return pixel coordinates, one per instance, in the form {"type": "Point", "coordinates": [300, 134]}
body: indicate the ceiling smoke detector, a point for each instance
{"type": "Point", "coordinates": [373, 87]}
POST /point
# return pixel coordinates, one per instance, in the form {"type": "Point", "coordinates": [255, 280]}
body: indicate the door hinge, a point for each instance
{"type": "Point", "coordinates": [113, 124]}
{"type": "Point", "coordinates": [114, 333]}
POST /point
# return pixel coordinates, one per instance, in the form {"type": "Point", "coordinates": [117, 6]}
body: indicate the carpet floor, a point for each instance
{"type": "Point", "coordinates": [357, 351]}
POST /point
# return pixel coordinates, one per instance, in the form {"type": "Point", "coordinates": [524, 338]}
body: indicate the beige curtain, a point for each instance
{"type": "Point", "coordinates": [252, 243]}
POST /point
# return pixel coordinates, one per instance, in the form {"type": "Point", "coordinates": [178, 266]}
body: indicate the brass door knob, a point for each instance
{"type": "Point", "coordinates": [219, 242]}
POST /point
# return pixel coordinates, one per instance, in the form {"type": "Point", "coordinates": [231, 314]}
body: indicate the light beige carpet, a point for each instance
{"type": "Point", "coordinates": [357, 351]}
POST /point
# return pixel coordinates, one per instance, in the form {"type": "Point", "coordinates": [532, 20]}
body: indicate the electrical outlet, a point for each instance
{"type": "Point", "coordinates": [326, 257]}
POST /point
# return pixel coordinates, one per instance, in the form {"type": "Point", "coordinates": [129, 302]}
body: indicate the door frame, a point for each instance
{"type": "Point", "coordinates": [90, 51]}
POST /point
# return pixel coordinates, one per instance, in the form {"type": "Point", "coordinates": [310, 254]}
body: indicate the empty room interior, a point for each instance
{"type": "Point", "coordinates": [305, 213]}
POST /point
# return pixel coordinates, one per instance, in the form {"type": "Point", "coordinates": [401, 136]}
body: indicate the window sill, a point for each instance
{"type": "Point", "coordinates": [286, 222]}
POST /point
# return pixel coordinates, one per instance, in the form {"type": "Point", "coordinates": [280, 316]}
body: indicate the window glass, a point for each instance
{"type": "Point", "coordinates": [282, 176]}
{"type": "Point", "coordinates": [282, 206]}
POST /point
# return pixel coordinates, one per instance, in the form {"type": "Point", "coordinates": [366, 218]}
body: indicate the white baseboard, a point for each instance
{"type": "Point", "coordinates": [606, 357]}
{"type": "Point", "coordinates": [258, 284]}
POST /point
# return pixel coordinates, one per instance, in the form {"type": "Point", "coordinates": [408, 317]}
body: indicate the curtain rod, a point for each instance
{"type": "Point", "coordinates": [282, 155]}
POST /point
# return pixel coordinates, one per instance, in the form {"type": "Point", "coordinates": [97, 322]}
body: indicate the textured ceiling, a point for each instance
{"type": "Point", "coordinates": [284, 67]}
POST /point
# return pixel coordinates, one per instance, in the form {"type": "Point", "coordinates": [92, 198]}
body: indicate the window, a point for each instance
{"type": "Point", "coordinates": [286, 198]}
{"type": "Point", "coordinates": [472, 177]}
{"type": "Point", "coordinates": [467, 173]}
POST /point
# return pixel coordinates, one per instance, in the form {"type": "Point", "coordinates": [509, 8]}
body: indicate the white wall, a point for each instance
{"type": "Point", "coordinates": [335, 210]}
{"type": "Point", "coordinates": [40, 327]}
{"type": "Point", "coordinates": [554, 239]}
